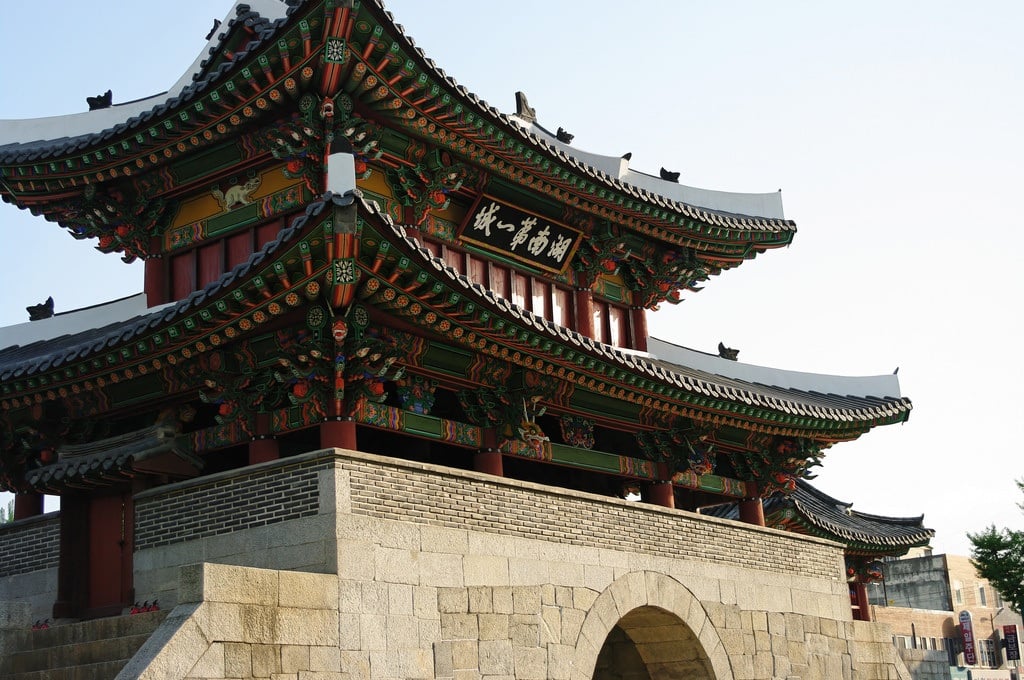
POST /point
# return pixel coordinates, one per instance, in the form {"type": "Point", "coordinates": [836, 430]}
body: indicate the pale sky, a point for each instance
{"type": "Point", "coordinates": [894, 130]}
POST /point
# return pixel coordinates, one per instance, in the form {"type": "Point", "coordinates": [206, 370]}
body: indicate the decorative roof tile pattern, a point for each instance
{"type": "Point", "coordinates": [102, 461]}
{"type": "Point", "coordinates": [541, 143]}
{"type": "Point", "coordinates": [790, 401]}
{"type": "Point", "coordinates": [809, 510]}
{"type": "Point", "coordinates": [27, 151]}
{"type": "Point", "coordinates": [213, 71]}
{"type": "Point", "coordinates": [17, 361]}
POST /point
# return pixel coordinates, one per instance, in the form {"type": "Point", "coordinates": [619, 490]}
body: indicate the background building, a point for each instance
{"type": "Point", "coordinates": [924, 599]}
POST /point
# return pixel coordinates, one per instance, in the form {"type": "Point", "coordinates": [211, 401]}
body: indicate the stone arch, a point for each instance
{"type": "Point", "coordinates": [650, 600]}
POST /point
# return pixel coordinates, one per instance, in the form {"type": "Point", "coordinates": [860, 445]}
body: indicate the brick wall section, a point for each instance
{"type": "Point", "coordinates": [30, 545]}
{"type": "Point", "coordinates": [227, 503]}
{"type": "Point", "coordinates": [466, 501]}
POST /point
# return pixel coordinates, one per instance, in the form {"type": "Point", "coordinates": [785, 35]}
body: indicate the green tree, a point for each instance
{"type": "Point", "coordinates": [7, 513]}
{"type": "Point", "coordinates": [998, 555]}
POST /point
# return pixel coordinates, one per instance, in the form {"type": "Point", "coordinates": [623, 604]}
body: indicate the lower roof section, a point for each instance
{"type": "Point", "coordinates": [701, 386]}
{"type": "Point", "coordinates": [810, 511]}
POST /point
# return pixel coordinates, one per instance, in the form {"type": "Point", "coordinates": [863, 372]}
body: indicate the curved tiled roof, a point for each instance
{"type": "Point", "coordinates": [145, 110]}
{"type": "Point", "coordinates": [210, 72]}
{"type": "Point", "coordinates": [37, 357]}
{"type": "Point", "coordinates": [840, 519]}
{"type": "Point", "coordinates": [101, 461]}
{"type": "Point", "coordinates": [796, 402]}
{"type": "Point", "coordinates": [542, 143]}
{"type": "Point", "coordinates": [814, 511]}
{"type": "Point", "coordinates": [850, 412]}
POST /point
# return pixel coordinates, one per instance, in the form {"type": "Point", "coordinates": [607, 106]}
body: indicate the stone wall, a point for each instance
{"type": "Point", "coordinates": [430, 572]}
{"type": "Point", "coordinates": [422, 494]}
{"type": "Point", "coordinates": [266, 516]}
{"type": "Point", "coordinates": [926, 664]}
{"type": "Point", "coordinates": [453, 574]}
{"type": "Point", "coordinates": [29, 553]}
{"type": "Point", "coordinates": [226, 503]}
{"type": "Point", "coordinates": [238, 622]}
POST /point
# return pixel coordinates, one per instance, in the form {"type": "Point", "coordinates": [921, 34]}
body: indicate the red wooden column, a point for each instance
{"type": "Point", "coordinates": [584, 312]}
{"type": "Point", "coordinates": [661, 493]}
{"type": "Point", "coordinates": [751, 507]}
{"type": "Point", "coordinates": [28, 505]}
{"type": "Point", "coordinates": [638, 326]}
{"type": "Point", "coordinates": [488, 459]}
{"type": "Point", "coordinates": [263, 447]}
{"type": "Point", "coordinates": [339, 434]}
{"type": "Point", "coordinates": [72, 570]}
{"type": "Point", "coordinates": [155, 281]}
{"type": "Point", "coordinates": [861, 612]}
{"type": "Point", "coordinates": [412, 229]}
{"type": "Point", "coordinates": [752, 511]}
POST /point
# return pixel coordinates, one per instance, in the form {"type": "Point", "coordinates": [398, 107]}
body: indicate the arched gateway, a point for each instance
{"type": "Point", "coordinates": [648, 625]}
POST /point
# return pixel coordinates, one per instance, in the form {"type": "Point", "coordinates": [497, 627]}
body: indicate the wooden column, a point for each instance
{"type": "Point", "coordinates": [584, 312]}
{"type": "Point", "coordinates": [751, 508]}
{"type": "Point", "coordinates": [263, 447]}
{"type": "Point", "coordinates": [489, 459]}
{"type": "Point", "coordinates": [638, 326]}
{"type": "Point", "coordinates": [155, 281]}
{"type": "Point", "coordinates": [489, 462]}
{"type": "Point", "coordinates": [339, 434]}
{"type": "Point", "coordinates": [28, 505]}
{"type": "Point", "coordinates": [862, 612]}
{"type": "Point", "coordinates": [660, 493]}
{"type": "Point", "coordinates": [73, 564]}
{"type": "Point", "coordinates": [752, 511]}
{"type": "Point", "coordinates": [412, 229]}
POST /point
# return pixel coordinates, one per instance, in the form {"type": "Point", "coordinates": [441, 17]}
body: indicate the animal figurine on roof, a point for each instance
{"type": "Point", "coordinates": [524, 110]}
{"type": "Point", "coordinates": [216, 25]}
{"type": "Point", "coordinates": [102, 101]}
{"type": "Point", "coordinates": [43, 310]}
{"type": "Point", "coordinates": [728, 352]}
{"type": "Point", "coordinates": [564, 136]}
{"type": "Point", "coordinates": [669, 176]}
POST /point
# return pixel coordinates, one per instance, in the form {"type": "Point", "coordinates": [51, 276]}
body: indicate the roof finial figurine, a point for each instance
{"type": "Point", "coordinates": [523, 109]}
{"type": "Point", "coordinates": [669, 176]}
{"type": "Point", "coordinates": [564, 136]}
{"type": "Point", "coordinates": [627, 156]}
{"type": "Point", "coordinates": [43, 310]}
{"type": "Point", "coordinates": [728, 352]}
{"type": "Point", "coordinates": [101, 101]}
{"type": "Point", "coordinates": [216, 25]}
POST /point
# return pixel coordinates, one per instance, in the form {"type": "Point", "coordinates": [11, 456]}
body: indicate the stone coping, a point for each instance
{"type": "Point", "coordinates": [27, 521]}
{"type": "Point", "coordinates": [388, 461]}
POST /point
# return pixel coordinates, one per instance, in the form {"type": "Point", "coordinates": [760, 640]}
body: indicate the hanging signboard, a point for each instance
{"type": "Point", "coordinates": [1012, 642]}
{"type": "Point", "coordinates": [967, 633]}
{"type": "Point", "coordinates": [520, 235]}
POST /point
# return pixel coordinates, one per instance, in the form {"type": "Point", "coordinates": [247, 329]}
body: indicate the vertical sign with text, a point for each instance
{"type": "Point", "coordinates": [1012, 642]}
{"type": "Point", "coordinates": [967, 633]}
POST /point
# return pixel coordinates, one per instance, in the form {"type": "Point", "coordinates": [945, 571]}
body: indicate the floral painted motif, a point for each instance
{"type": "Point", "coordinates": [578, 431]}
{"type": "Point", "coordinates": [416, 394]}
